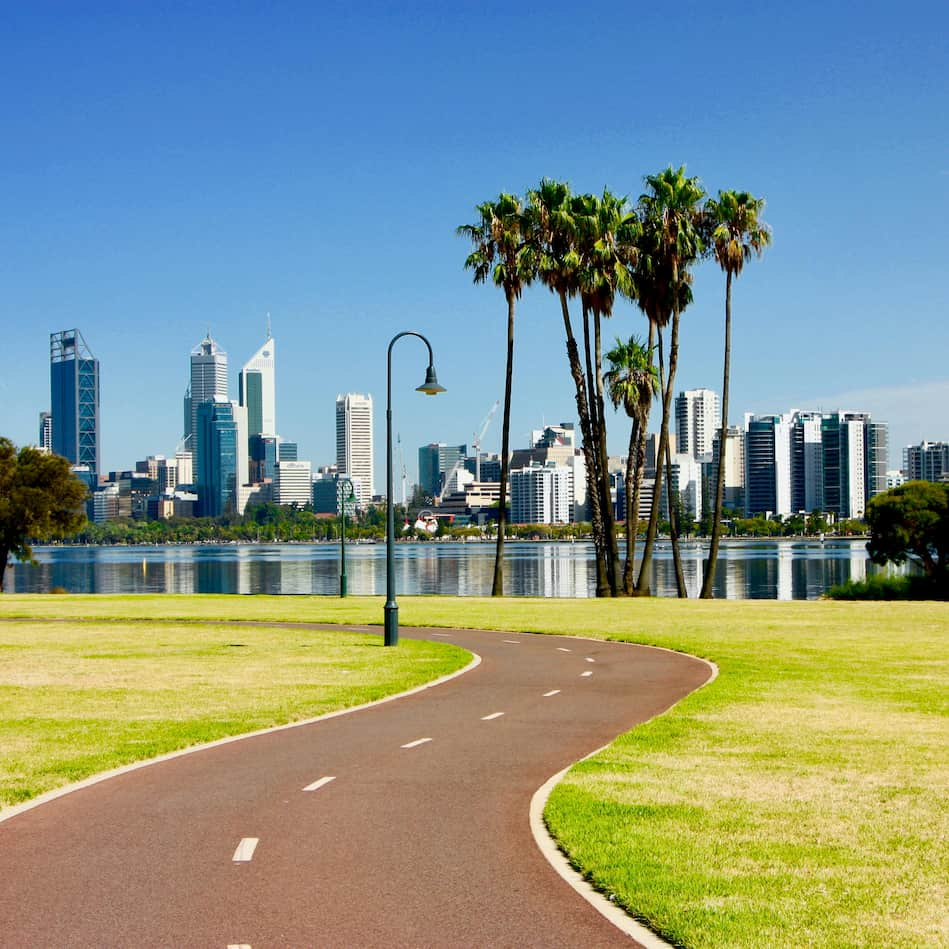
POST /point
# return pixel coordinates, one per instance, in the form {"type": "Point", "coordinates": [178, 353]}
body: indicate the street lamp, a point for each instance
{"type": "Point", "coordinates": [430, 387]}
{"type": "Point", "coordinates": [343, 499]}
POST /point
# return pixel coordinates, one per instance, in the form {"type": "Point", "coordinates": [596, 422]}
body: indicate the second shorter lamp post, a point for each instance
{"type": "Point", "coordinates": [342, 484]}
{"type": "Point", "coordinates": [430, 387]}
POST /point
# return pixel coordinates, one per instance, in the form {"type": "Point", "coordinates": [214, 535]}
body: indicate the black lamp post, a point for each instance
{"type": "Point", "coordinates": [430, 387]}
{"type": "Point", "coordinates": [343, 498]}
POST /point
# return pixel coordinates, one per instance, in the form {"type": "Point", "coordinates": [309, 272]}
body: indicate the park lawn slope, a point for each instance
{"type": "Point", "coordinates": [77, 699]}
{"type": "Point", "coordinates": [798, 799]}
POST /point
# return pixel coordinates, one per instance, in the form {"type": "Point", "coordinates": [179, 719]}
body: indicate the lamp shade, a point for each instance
{"type": "Point", "coordinates": [430, 386]}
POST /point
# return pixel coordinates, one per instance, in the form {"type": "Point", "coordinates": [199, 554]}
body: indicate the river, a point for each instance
{"type": "Point", "coordinates": [786, 569]}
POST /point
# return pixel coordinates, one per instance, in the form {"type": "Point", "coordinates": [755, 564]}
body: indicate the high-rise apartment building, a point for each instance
{"type": "Point", "coordinates": [208, 382]}
{"type": "Point", "coordinates": [46, 431]}
{"type": "Point", "coordinates": [74, 399]}
{"type": "Point", "coordinates": [354, 455]}
{"type": "Point", "coordinates": [844, 439]}
{"type": "Point", "coordinates": [807, 462]}
{"type": "Point", "coordinates": [767, 464]}
{"type": "Point", "coordinates": [698, 418]}
{"type": "Point", "coordinates": [542, 494]}
{"type": "Point", "coordinates": [733, 491]}
{"type": "Point", "coordinates": [256, 390]}
{"type": "Point", "coordinates": [927, 461]}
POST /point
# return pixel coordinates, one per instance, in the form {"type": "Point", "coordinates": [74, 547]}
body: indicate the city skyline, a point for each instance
{"type": "Point", "coordinates": [170, 170]}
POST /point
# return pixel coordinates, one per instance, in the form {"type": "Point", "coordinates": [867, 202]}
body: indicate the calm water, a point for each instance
{"type": "Point", "coordinates": [796, 569]}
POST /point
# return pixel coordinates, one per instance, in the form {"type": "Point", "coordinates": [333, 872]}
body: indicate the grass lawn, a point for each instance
{"type": "Point", "coordinates": [801, 799]}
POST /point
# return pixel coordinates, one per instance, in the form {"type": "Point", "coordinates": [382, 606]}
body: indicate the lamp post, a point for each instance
{"type": "Point", "coordinates": [430, 387]}
{"type": "Point", "coordinates": [343, 498]}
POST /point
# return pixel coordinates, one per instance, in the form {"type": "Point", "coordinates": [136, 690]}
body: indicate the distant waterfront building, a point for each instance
{"type": "Point", "coordinates": [844, 439]}
{"type": "Point", "coordinates": [733, 493]}
{"type": "Point", "coordinates": [263, 453]}
{"type": "Point", "coordinates": [287, 451]}
{"type": "Point", "coordinates": [686, 484]}
{"type": "Point", "coordinates": [542, 494]}
{"type": "Point", "coordinates": [354, 455]}
{"type": "Point", "coordinates": [293, 483]}
{"type": "Point", "coordinates": [698, 418]}
{"type": "Point", "coordinates": [217, 437]}
{"type": "Point", "coordinates": [767, 464]}
{"type": "Point", "coordinates": [45, 441]}
{"type": "Point", "coordinates": [807, 462]}
{"type": "Point", "coordinates": [927, 461]}
{"type": "Point", "coordinates": [74, 399]}
{"type": "Point", "coordinates": [256, 390]}
{"type": "Point", "coordinates": [208, 382]}
{"type": "Point", "coordinates": [435, 464]}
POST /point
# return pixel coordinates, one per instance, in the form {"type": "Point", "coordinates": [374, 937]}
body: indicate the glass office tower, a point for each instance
{"type": "Point", "coordinates": [74, 399]}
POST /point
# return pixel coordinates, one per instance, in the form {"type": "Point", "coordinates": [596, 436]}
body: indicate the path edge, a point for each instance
{"type": "Point", "coordinates": [93, 779]}
{"type": "Point", "coordinates": [558, 860]}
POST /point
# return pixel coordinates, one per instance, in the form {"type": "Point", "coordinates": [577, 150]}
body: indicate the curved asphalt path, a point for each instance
{"type": "Point", "coordinates": [427, 845]}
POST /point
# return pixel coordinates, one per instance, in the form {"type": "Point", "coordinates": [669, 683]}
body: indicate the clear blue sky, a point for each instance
{"type": "Point", "coordinates": [168, 167]}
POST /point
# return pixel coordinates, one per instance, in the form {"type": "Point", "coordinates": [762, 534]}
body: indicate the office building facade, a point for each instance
{"type": "Point", "coordinates": [257, 391]}
{"type": "Point", "coordinates": [217, 440]}
{"type": "Point", "coordinates": [74, 400]}
{"type": "Point", "coordinates": [354, 454]}
{"type": "Point", "coordinates": [542, 494]}
{"type": "Point", "coordinates": [435, 463]}
{"type": "Point", "coordinates": [208, 382]}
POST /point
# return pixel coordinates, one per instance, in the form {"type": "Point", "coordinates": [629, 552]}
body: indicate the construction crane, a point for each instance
{"type": "Point", "coordinates": [476, 441]}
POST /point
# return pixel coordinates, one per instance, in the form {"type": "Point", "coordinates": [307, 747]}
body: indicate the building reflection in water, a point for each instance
{"type": "Point", "coordinates": [798, 569]}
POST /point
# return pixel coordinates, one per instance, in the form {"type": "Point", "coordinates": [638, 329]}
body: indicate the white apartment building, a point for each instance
{"type": "Point", "coordinates": [354, 455]}
{"type": "Point", "coordinates": [293, 483]}
{"type": "Point", "coordinates": [542, 494]}
{"type": "Point", "coordinates": [698, 418]}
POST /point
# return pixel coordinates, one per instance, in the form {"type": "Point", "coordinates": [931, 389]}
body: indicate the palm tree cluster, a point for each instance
{"type": "Point", "coordinates": [593, 249]}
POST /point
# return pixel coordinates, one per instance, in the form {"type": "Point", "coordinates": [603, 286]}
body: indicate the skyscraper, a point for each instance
{"type": "Point", "coordinates": [208, 382]}
{"type": "Point", "coordinates": [256, 390]}
{"type": "Point", "coordinates": [354, 442]}
{"type": "Point", "coordinates": [46, 431]}
{"type": "Point", "coordinates": [698, 418]}
{"type": "Point", "coordinates": [74, 399]}
{"type": "Point", "coordinates": [435, 464]}
{"type": "Point", "coordinates": [767, 464]}
{"type": "Point", "coordinates": [216, 438]}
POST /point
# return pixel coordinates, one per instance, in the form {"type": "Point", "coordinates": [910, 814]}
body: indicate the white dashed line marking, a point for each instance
{"type": "Point", "coordinates": [441, 634]}
{"type": "Point", "coordinates": [583, 675]}
{"type": "Point", "coordinates": [487, 718]}
{"type": "Point", "coordinates": [416, 743]}
{"type": "Point", "coordinates": [316, 785]}
{"type": "Point", "coordinates": [245, 850]}
{"type": "Point", "coordinates": [547, 695]}
{"type": "Point", "coordinates": [239, 945]}
{"type": "Point", "coordinates": [563, 649]}
{"type": "Point", "coordinates": [590, 660]}
{"type": "Point", "coordinates": [513, 642]}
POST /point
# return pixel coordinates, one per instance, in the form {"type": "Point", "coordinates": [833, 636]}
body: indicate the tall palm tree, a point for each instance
{"type": "Point", "coordinates": [671, 243]}
{"type": "Point", "coordinates": [632, 381]}
{"type": "Point", "coordinates": [501, 253]}
{"type": "Point", "coordinates": [735, 234]}
{"type": "Point", "coordinates": [556, 220]}
{"type": "Point", "coordinates": [607, 230]}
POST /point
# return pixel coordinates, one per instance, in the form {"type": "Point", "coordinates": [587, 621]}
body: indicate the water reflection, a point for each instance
{"type": "Point", "coordinates": [783, 570]}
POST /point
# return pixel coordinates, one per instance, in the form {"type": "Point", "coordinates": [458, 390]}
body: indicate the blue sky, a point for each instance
{"type": "Point", "coordinates": [170, 167]}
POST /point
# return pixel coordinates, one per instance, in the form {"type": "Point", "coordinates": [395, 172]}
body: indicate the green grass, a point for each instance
{"type": "Point", "coordinates": [798, 800]}
{"type": "Point", "coordinates": [78, 699]}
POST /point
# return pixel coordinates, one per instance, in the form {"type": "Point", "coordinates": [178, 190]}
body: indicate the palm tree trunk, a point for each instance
{"type": "Point", "coordinates": [609, 516]}
{"type": "Point", "coordinates": [709, 579]}
{"type": "Point", "coordinates": [670, 384]}
{"type": "Point", "coordinates": [589, 451]}
{"type": "Point", "coordinates": [4, 557]}
{"type": "Point", "coordinates": [497, 586]}
{"type": "Point", "coordinates": [674, 503]}
{"type": "Point", "coordinates": [643, 587]}
{"type": "Point", "coordinates": [630, 526]}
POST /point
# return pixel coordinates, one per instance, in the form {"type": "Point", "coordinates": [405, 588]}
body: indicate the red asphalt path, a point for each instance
{"type": "Point", "coordinates": [428, 845]}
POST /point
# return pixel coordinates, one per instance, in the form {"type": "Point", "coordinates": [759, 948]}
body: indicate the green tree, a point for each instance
{"type": "Point", "coordinates": [633, 382]}
{"type": "Point", "coordinates": [40, 497]}
{"type": "Point", "coordinates": [501, 253]}
{"type": "Point", "coordinates": [670, 244]}
{"type": "Point", "coordinates": [736, 234]}
{"type": "Point", "coordinates": [911, 522]}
